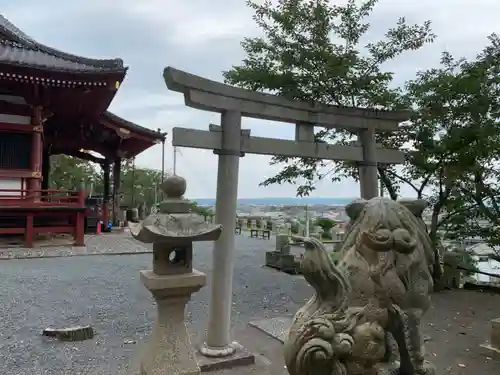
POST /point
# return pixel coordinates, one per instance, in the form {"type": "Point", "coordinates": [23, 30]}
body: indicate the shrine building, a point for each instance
{"type": "Point", "coordinates": [53, 102]}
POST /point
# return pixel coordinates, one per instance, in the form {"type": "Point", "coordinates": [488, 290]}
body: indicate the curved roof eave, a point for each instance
{"type": "Point", "coordinates": [153, 134]}
{"type": "Point", "coordinates": [21, 46]}
{"type": "Point", "coordinates": [65, 70]}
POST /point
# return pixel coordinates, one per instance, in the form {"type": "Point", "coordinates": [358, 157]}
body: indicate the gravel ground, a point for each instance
{"type": "Point", "coordinates": [105, 291]}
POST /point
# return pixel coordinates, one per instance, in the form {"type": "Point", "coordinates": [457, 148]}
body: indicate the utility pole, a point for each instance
{"type": "Point", "coordinates": [162, 162]}
{"type": "Point", "coordinates": [163, 157]}
{"type": "Point", "coordinates": [133, 182]}
{"type": "Point", "coordinates": [175, 160]}
{"type": "Point", "coordinates": [307, 220]}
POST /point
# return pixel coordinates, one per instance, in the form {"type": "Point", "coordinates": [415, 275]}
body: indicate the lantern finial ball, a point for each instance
{"type": "Point", "coordinates": [174, 186]}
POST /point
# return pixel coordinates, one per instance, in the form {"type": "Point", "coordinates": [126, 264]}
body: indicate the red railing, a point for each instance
{"type": "Point", "coordinates": [41, 198]}
{"type": "Point", "coordinates": [29, 204]}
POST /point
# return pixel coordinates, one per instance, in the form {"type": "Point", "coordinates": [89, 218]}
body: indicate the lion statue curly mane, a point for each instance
{"type": "Point", "coordinates": [364, 318]}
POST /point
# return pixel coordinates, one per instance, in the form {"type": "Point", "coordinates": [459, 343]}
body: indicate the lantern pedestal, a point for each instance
{"type": "Point", "coordinates": [169, 350]}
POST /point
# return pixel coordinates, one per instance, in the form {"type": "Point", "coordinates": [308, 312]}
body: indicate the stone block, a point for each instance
{"type": "Point", "coordinates": [170, 285]}
{"type": "Point", "coordinates": [284, 262]}
{"type": "Point", "coordinates": [77, 333]}
{"type": "Point", "coordinates": [169, 349]}
{"type": "Point", "coordinates": [282, 244]}
{"type": "Point", "coordinates": [495, 333]}
{"type": "Point", "coordinates": [492, 348]}
{"type": "Point", "coordinates": [272, 258]}
{"type": "Point", "coordinates": [289, 264]}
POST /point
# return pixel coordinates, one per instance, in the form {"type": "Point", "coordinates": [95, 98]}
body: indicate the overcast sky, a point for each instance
{"type": "Point", "coordinates": [202, 37]}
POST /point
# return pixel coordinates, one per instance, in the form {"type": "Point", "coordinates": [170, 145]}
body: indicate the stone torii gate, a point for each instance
{"type": "Point", "coordinates": [230, 142]}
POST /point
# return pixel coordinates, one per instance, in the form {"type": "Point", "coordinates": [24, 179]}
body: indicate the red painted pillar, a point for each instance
{"type": "Point", "coordinates": [116, 190]}
{"type": "Point", "coordinates": [34, 183]}
{"type": "Point", "coordinates": [80, 220]}
{"type": "Point", "coordinates": [29, 232]}
{"type": "Point", "coordinates": [105, 203]}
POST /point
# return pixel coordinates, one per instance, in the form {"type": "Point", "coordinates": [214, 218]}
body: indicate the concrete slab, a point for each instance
{"type": "Point", "coordinates": [274, 327]}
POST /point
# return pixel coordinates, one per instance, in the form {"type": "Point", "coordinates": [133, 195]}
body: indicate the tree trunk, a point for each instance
{"type": "Point", "coordinates": [437, 274]}
{"type": "Point", "coordinates": [387, 183]}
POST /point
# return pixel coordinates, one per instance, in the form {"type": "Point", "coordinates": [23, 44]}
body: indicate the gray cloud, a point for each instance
{"type": "Point", "coordinates": [203, 37]}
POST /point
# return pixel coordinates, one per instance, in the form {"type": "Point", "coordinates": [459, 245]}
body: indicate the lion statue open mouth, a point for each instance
{"type": "Point", "coordinates": [364, 318]}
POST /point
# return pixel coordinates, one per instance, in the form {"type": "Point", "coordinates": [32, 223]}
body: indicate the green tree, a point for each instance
{"type": "Point", "coordinates": [139, 185]}
{"type": "Point", "coordinates": [68, 173]}
{"type": "Point", "coordinates": [203, 211]}
{"type": "Point", "coordinates": [312, 50]}
{"type": "Point", "coordinates": [456, 138]}
{"type": "Point", "coordinates": [325, 223]}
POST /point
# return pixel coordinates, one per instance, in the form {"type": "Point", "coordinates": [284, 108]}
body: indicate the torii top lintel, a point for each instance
{"type": "Point", "coordinates": [205, 94]}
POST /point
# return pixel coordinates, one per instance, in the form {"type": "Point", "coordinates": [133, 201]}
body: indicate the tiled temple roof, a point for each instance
{"type": "Point", "coordinates": [17, 48]}
{"type": "Point", "coordinates": [155, 135]}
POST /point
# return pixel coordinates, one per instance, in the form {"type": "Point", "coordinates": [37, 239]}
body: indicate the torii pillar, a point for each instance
{"type": "Point", "coordinates": [368, 172]}
{"type": "Point", "coordinates": [218, 342]}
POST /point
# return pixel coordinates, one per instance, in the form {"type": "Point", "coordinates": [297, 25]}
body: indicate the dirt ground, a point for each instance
{"type": "Point", "coordinates": [457, 324]}
{"type": "Point", "coordinates": [454, 328]}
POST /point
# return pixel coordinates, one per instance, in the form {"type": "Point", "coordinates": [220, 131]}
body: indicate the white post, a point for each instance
{"type": "Point", "coordinates": [218, 342]}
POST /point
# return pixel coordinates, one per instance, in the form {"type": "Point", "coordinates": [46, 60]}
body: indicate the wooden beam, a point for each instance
{"type": "Point", "coordinates": [80, 154]}
{"type": "Point", "coordinates": [13, 99]}
{"type": "Point", "coordinates": [16, 173]}
{"type": "Point", "coordinates": [67, 145]}
{"type": "Point", "coordinates": [18, 128]}
{"type": "Point", "coordinates": [10, 108]}
{"type": "Point", "coordinates": [124, 132]}
{"type": "Point", "coordinates": [15, 119]}
{"type": "Point", "coordinates": [211, 140]}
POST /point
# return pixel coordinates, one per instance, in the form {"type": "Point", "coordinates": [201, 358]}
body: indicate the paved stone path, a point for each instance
{"type": "Point", "coordinates": [107, 244]}
{"type": "Point", "coordinates": [105, 291]}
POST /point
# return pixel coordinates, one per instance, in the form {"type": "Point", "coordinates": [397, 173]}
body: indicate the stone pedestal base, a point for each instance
{"type": "Point", "coordinates": [283, 262]}
{"type": "Point", "coordinates": [493, 346]}
{"type": "Point", "coordinates": [169, 350]}
{"type": "Point", "coordinates": [492, 352]}
{"type": "Point", "coordinates": [211, 359]}
{"type": "Point", "coordinates": [218, 352]}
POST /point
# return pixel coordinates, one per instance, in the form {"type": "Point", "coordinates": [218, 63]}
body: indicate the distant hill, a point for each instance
{"type": "Point", "coordinates": [295, 201]}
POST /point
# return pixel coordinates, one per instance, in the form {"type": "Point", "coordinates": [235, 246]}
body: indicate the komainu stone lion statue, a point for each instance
{"type": "Point", "coordinates": [364, 318]}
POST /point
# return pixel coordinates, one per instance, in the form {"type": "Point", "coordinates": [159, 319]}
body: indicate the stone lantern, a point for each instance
{"type": "Point", "coordinates": [172, 231]}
